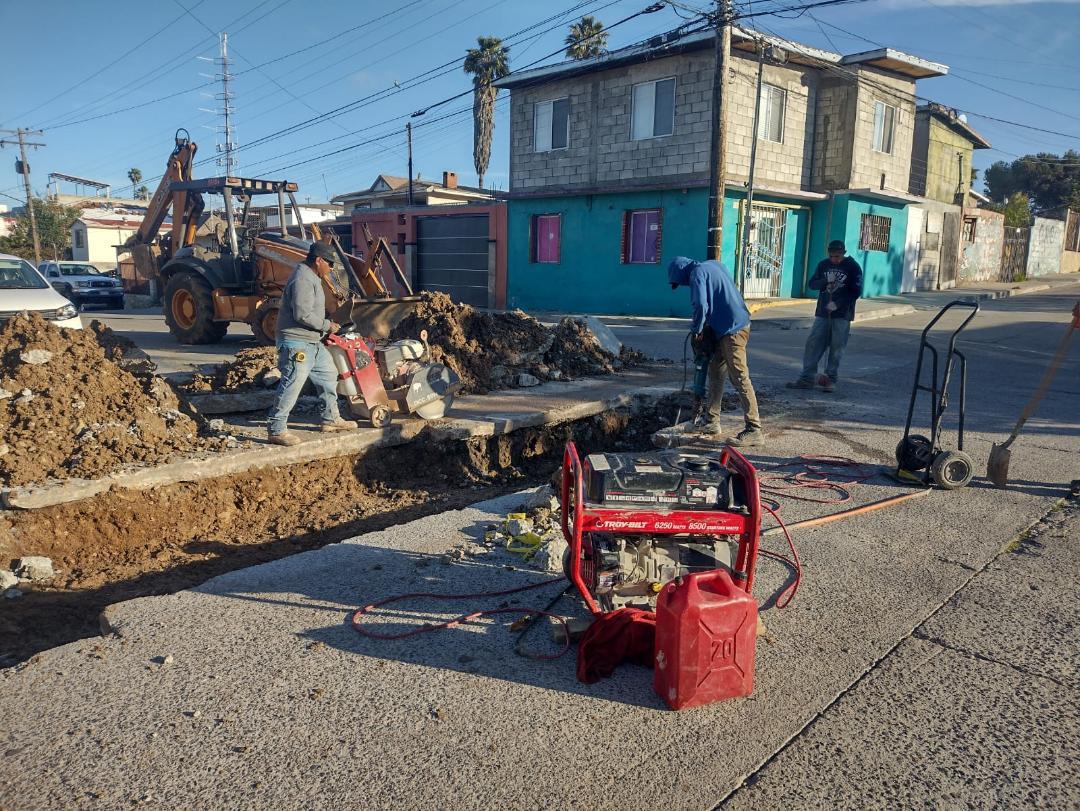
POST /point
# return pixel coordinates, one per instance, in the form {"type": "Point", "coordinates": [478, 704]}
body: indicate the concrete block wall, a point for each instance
{"type": "Point", "coordinates": [868, 165]}
{"type": "Point", "coordinates": [601, 152]}
{"type": "Point", "coordinates": [981, 260]}
{"type": "Point", "coordinates": [1045, 247]}
{"type": "Point", "coordinates": [837, 100]}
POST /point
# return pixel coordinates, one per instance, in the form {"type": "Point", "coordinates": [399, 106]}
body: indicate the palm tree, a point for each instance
{"type": "Point", "coordinates": [587, 39]}
{"type": "Point", "coordinates": [485, 63]}
{"type": "Point", "coordinates": [134, 175]}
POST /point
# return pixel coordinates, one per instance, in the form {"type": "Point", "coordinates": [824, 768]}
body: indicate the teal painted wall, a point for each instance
{"type": "Point", "coordinates": [590, 276]}
{"type": "Point", "coordinates": [883, 271]}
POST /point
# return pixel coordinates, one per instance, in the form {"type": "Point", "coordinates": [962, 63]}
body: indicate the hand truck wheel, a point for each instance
{"type": "Point", "coordinates": [914, 452]}
{"type": "Point", "coordinates": [952, 469]}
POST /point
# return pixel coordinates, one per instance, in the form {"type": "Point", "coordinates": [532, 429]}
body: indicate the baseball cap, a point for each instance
{"type": "Point", "coordinates": [321, 250]}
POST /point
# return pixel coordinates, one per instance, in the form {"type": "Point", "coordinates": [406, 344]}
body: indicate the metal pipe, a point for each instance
{"type": "Point", "coordinates": [281, 212]}
{"type": "Point", "coordinates": [227, 195]}
{"type": "Point", "coordinates": [296, 213]}
{"type": "Point", "coordinates": [748, 210]}
{"type": "Point", "coordinates": [851, 513]}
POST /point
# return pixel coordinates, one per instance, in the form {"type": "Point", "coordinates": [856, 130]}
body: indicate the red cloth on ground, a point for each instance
{"type": "Point", "coordinates": [626, 635]}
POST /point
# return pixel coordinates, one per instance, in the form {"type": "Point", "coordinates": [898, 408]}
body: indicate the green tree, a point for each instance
{"type": "Point", "coordinates": [486, 63]}
{"type": "Point", "coordinates": [54, 221]}
{"type": "Point", "coordinates": [1017, 210]}
{"type": "Point", "coordinates": [1050, 181]}
{"type": "Point", "coordinates": [135, 176]}
{"type": "Point", "coordinates": [142, 193]}
{"type": "Point", "coordinates": [587, 39]}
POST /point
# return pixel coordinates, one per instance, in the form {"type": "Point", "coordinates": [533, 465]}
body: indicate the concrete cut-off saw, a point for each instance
{"type": "Point", "coordinates": [379, 377]}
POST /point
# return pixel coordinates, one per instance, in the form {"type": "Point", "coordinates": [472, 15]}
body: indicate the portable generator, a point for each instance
{"type": "Point", "coordinates": [634, 522]}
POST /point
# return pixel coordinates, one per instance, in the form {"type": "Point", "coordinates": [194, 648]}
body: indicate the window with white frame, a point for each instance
{"type": "Point", "coordinates": [652, 109]}
{"type": "Point", "coordinates": [884, 126]}
{"type": "Point", "coordinates": [551, 125]}
{"type": "Point", "coordinates": [771, 120]}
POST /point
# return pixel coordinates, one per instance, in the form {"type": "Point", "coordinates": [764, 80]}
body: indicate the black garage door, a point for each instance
{"type": "Point", "coordinates": [452, 257]}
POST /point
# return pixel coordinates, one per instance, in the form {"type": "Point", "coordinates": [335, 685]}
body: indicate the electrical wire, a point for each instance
{"type": "Point", "coordinates": [464, 618]}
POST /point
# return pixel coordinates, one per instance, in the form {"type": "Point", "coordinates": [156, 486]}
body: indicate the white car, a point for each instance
{"type": "Point", "coordinates": [83, 284]}
{"type": "Point", "coordinates": [22, 288]}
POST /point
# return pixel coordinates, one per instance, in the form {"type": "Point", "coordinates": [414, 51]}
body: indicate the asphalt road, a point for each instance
{"type": "Point", "coordinates": [928, 658]}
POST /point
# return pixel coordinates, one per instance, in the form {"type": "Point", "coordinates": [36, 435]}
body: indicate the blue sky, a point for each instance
{"type": "Point", "coordinates": [1009, 59]}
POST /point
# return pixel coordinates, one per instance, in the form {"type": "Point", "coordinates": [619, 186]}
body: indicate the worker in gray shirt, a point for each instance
{"type": "Point", "coordinates": [301, 326]}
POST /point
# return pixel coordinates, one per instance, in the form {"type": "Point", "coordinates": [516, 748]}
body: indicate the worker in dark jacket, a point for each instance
{"type": "Point", "coordinates": [301, 326]}
{"type": "Point", "coordinates": [839, 280]}
{"type": "Point", "coordinates": [720, 327]}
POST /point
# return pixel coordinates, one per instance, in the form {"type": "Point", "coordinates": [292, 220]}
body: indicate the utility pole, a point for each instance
{"type": "Point", "coordinates": [408, 136]}
{"type": "Point", "coordinates": [718, 146]}
{"type": "Point", "coordinates": [24, 169]}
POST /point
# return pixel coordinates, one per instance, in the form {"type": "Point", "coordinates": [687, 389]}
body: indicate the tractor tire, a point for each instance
{"type": "Point", "coordinates": [189, 310]}
{"type": "Point", "coordinates": [264, 323]}
{"type": "Point", "coordinates": [952, 470]}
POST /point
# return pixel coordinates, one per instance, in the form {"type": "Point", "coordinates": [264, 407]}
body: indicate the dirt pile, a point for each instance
{"type": "Point", "coordinates": [504, 350]}
{"type": "Point", "coordinates": [251, 369]}
{"type": "Point", "coordinates": [489, 351]}
{"type": "Point", "coordinates": [67, 409]}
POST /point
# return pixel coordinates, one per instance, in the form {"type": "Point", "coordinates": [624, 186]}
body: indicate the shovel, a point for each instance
{"type": "Point", "coordinates": [997, 466]}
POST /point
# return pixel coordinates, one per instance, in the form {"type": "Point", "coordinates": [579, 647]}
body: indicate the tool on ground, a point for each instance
{"type": "Point", "coordinates": [214, 270]}
{"type": "Point", "coordinates": [378, 377]}
{"type": "Point", "coordinates": [651, 531]}
{"type": "Point", "coordinates": [922, 458]}
{"type": "Point", "coordinates": [997, 466]}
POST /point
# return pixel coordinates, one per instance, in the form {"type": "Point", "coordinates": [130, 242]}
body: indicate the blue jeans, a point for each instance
{"type": "Point", "coordinates": [316, 364]}
{"type": "Point", "coordinates": [827, 333]}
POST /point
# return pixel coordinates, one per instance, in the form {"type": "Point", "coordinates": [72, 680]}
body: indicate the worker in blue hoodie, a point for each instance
{"type": "Point", "coordinates": [839, 282]}
{"type": "Point", "coordinates": [720, 326]}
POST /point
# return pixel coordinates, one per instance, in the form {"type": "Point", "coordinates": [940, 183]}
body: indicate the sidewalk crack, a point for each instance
{"type": "Point", "coordinates": [982, 657]}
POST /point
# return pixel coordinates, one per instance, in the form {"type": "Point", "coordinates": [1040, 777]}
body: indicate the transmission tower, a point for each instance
{"type": "Point", "coordinates": [227, 143]}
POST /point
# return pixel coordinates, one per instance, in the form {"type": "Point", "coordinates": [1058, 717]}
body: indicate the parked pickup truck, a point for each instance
{"type": "Point", "coordinates": [81, 283]}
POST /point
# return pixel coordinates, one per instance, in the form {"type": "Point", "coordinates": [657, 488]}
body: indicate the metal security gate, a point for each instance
{"type": "Point", "coordinates": [452, 257]}
{"type": "Point", "coordinates": [764, 267]}
{"type": "Point", "coordinates": [1014, 254]}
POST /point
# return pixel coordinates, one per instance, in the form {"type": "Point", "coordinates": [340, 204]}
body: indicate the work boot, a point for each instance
{"type": "Point", "coordinates": [338, 425]}
{"type": "Point", "coordinates": [827, 384]}
{"type": "Point", "coordinates": [800, 384]}
{"type": "Point", "coordinates": [284, 438]}
{"type": "Point", "coordinates": [747, 436]}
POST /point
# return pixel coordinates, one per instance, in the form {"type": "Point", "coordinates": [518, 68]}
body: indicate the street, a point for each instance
{"type": "Point", "coordinates": [929, 657]}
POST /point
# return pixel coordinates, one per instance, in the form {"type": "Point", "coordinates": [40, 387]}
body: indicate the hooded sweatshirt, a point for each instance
{"type": "Point", "coordinates": [715, 299]}
{"type": "Point", "coordinates": [848, 281]}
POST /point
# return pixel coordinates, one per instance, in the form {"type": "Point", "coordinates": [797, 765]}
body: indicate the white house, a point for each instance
{"type": "Point", "coordinates": [94, 237]}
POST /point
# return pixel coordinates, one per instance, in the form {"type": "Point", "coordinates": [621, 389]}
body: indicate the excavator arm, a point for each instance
{"type": "Point", "coordinates": [186, 206]}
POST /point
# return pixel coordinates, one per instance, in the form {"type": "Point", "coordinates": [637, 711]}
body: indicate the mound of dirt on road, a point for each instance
{"type": "Point", "coordinates": [67, 409]}
{"type": "Point", "coordinates": [503, 350]}
{"type": "Point", "coordinates": [247, 371]}
{"type": "Point", "coordinates": [489, 351]}
{"type": "Point", "coordinates": [116, 346]}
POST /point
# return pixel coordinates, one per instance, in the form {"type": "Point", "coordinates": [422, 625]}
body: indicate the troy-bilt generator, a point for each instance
{"type": "Point", "coordinates": [676, 534]}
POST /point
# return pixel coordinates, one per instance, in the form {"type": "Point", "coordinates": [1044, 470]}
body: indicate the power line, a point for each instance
{"type": "Point", "coordinates": [118, 59]}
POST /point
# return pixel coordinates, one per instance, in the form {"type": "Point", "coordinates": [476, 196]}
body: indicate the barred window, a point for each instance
{"type": "Point", "coordinates": [969, 229]}
{"type": "Point", "coordinates": [874, 233]}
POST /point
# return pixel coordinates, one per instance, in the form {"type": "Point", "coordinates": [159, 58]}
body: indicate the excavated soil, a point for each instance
{"type": "Point", "coordinates": [488, 351]}
{"type": "Point", "coordinates": [125, 544]}
{"type": "Point", "coordinates": [69, 409]}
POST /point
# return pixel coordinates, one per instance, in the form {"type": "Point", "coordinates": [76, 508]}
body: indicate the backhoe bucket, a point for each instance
{"type": "Point", "coordinates": [375, 318]}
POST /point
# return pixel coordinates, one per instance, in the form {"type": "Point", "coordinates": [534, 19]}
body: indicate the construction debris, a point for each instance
{"type": "Point", "coordinates": [488, 351]}
{"type": "Point", "coordinates": [34, 567]}
{"type": "Point", "coordinates": [80, 414]}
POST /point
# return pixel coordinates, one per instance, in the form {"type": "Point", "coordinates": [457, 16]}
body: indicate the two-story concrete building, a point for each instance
{"type": "Point", "coordinates": [609, 168]}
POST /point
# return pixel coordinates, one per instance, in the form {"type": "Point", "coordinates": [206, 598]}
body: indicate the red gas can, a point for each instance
{"type": "Point", "coordinates": [706, 630]}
